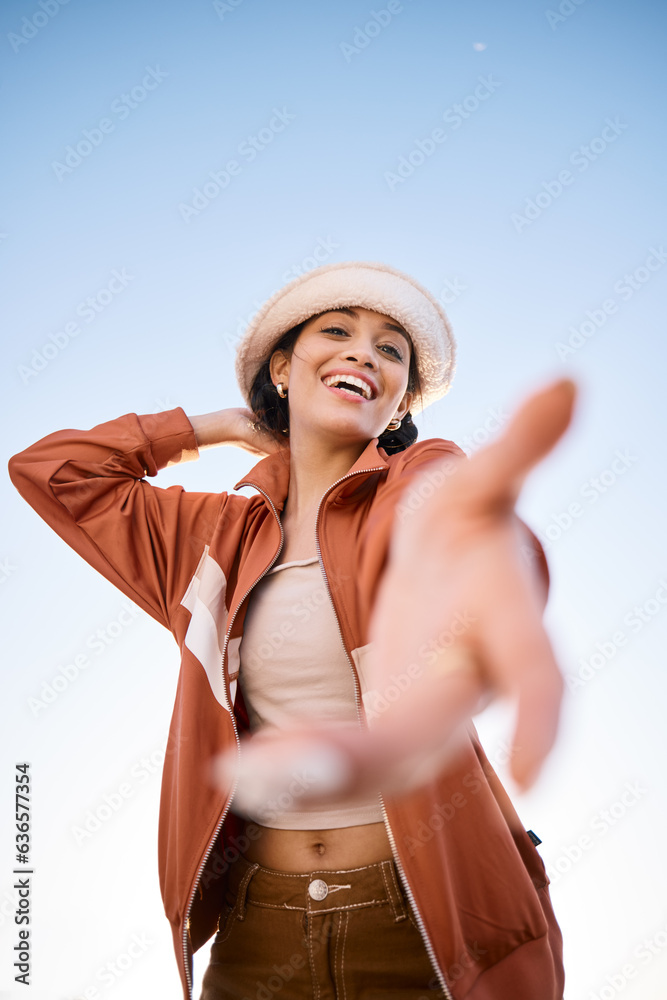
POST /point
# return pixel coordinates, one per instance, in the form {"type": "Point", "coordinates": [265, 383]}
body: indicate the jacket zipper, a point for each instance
{"type": "Point", "coordinates": [186, 963]}
{"type": "Point", "coordinates": [362, 721]}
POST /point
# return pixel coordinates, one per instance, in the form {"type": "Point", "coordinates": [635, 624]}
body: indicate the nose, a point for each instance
{"type": "Point", "coordinates": [361, 353]}
{"type": "Point", "coordinates": [366, 364]}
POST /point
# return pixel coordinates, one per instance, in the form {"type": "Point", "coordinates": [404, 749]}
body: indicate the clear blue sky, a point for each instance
{"type": "Point", "coordinates": [512, 159]}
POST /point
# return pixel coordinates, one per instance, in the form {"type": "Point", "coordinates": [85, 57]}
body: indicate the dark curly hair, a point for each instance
{"type": "Point", "coordinates": [272, 412]}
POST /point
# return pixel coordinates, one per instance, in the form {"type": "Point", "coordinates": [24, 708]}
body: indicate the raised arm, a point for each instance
{"type": "Point", "coordinates": [89, 486]}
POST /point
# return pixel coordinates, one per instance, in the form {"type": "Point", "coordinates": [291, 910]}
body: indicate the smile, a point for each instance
{"type": "Point", "coordinates": [350, 385]}
{"type": "Point", "coordinates": [353, 397]}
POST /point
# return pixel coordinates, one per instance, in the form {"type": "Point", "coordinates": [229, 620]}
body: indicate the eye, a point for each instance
{"type": "Point", "coordinates": [387, 348]}
{"type": "Point", "coordinates": [394, 350]}
{"type": "Point", "coordinates": [333, 329]}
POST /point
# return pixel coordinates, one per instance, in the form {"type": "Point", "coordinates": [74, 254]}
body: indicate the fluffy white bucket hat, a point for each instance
{"type": "Point", "coordinates": [355, 283]}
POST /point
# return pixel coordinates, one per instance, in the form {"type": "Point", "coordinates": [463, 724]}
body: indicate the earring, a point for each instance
{"type": "Point", "coordinates": [394, 424]}
{"type": "Point", "coordinates": [280, 389]}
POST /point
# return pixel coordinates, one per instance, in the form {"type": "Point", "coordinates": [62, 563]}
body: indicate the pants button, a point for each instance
{"type": "Point", "coordinates": [318, 889]}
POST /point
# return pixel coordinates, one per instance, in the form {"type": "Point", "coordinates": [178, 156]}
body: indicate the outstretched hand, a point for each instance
{"type": "Point", "coordinates": [456, 569]}
{"type": "Point", "coordinates": [461, 590]}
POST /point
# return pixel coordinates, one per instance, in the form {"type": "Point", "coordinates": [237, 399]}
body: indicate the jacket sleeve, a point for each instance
{"type": "Point", "coordinates": [89, 487]}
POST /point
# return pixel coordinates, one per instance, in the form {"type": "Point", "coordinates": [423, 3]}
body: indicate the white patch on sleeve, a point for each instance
{"type": "Point", "coordinates": [205, 600]}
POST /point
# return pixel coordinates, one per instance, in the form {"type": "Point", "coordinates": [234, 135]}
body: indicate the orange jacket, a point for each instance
{"type": "Point", "coordinates": [478, 886]}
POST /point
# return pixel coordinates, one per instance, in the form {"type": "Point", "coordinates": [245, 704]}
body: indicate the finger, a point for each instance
{"type": "Point", "coordinates": [518, 656]}
{"type": "Point", "coordinates": [538, 715]}
{"type": "Point", "coordinates": [536, 427]}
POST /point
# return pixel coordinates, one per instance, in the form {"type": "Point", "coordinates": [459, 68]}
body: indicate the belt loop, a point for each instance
{"type": "Point", "coordinates": [243, 888]}
{"type": "Point", "coordinates": [393, 892]}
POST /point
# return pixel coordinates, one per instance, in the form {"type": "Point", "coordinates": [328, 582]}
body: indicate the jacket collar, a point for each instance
{"type": "Point", "coordinates": [271, 474]}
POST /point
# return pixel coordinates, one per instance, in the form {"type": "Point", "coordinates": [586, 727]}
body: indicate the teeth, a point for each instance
{"type": "Point", "coordinates": [351, 380]}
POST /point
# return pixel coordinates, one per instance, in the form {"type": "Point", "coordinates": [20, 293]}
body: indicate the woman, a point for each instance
{"type": "Point", "coordinates": [435, 888]}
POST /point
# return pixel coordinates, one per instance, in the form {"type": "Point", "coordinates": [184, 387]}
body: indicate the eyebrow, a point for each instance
{"type": "Point", "coordinates": [385, 326]}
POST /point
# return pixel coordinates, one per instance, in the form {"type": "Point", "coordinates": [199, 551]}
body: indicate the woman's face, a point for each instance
{"type": "Point", "coordinates": [355, 342]}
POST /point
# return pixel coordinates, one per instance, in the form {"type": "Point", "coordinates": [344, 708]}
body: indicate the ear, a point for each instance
{"type": "Point", "coordinates": [404, 405]}
{"type": "Point", "coordinates": [279, 367]}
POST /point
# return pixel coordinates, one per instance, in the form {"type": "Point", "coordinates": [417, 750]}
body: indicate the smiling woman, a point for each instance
{"type": "Point", "coordinates": [281, 603]}
{"type": "Point", "coordinates": [359, 382]}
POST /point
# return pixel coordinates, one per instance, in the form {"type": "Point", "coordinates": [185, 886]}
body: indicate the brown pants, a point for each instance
{"type": "Point", "coordinates": [341, 935]}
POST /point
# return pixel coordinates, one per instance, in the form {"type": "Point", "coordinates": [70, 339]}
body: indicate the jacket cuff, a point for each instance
{"type": "Point", "coordinates": [171, 438]}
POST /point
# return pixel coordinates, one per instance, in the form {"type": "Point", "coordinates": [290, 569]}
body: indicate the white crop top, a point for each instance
{"type": "Point", "coordinates": [294, 666]}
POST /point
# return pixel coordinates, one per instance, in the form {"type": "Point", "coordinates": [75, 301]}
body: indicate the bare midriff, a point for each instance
{"type": "Point", "coordinates": [301, 851]}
